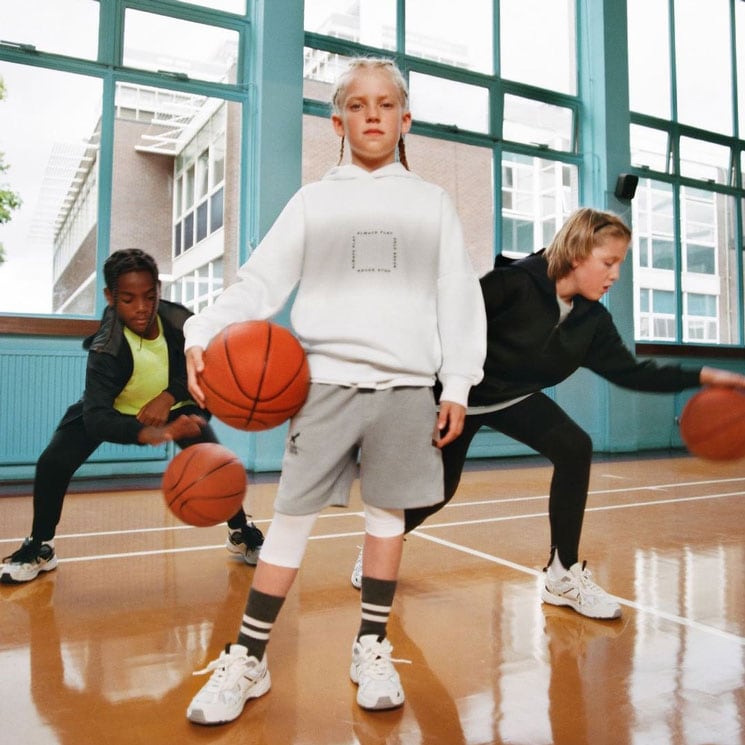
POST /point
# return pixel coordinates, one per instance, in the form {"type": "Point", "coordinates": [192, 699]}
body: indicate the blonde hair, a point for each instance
{"type": "Point", "coordinates": [585, 229]}
{"type": "Point", "coordinates": [356, 64]}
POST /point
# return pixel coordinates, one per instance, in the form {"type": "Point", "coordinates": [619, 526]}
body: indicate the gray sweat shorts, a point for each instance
{"type": "Point", "coordinates": [388, 432]}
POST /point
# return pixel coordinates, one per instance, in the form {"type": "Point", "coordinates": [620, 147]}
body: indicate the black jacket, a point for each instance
{"type": "Point", "coordinates": [528, 349]}
{"type": "Point", "coordinates": [110, 366]}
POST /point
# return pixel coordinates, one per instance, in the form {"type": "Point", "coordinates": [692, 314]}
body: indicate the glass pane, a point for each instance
{"type": "Point", "coordinates": [649, 148]}
{"type": "Point", "coordinates": [537, 197]}
{"type": "Point", "coordinates": [702, 36]}
{"type": "Point", "coordinates": [320, 72]}
{"type": "Point", "coordinates": [704, 160]}
{"type": "Point", "coordinates": [653, 244]}
{"type": "Point", "coordinates": [710, 273]}
{"type": "Point", "coordinates": [53, 169]}
{"type": "Point", "coordinates": [320, 148]}
{"type": "Point", "coordinates": [231, 6]}
{"type": "Point", "coordinates": [537, 123]}
{"type": "Point", "coordinates": [649, 57]}
{"type": "Point", "coordinates": [528, 26]}
{"type": "Point", "coordinates": [462, 39]}
{"type": "Point", "coordinates": [448, 102]}
{"type": "Point", "coordinates": [371, 22]}
{"type": "Point", "coordinates": [163, 138]}
{"type": "Point", "coordinates": [69, 27]}
{"type": "Point", "coordinates": [466, 173]}
{"type": "Point", "coordinates": [160, 43]}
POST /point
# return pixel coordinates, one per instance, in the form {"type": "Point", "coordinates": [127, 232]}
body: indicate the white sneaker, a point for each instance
{"type": "Point", "coordinates": [28, 562]}
{"type": "Point", "coordinates": [235, 678]}
{"type": "Point", "coordinates": [577, 590]}
{"type": "Point", "coordinates": [379, 686]}
{"type": "Point", "coordinates": [356, 578]}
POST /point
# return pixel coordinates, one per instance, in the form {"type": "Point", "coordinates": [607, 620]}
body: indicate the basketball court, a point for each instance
{"type": "Point", "coordinates": [103, 649]}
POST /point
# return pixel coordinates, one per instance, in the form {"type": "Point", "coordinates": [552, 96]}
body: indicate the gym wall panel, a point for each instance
{"type": "Point", "coordinates": [39, 379]}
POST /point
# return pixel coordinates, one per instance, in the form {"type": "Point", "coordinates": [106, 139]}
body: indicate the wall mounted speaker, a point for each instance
{"type": "Point", "coordinates": [626, 186]}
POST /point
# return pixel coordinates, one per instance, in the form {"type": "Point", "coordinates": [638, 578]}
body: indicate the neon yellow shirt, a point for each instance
{"type": "Point", "coordinates": [149, 373]}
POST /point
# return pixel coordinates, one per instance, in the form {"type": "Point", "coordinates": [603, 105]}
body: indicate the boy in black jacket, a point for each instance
{"type": "Point", "coordinates": [135, 393]}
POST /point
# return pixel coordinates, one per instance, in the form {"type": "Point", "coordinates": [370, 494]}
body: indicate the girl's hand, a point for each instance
{"type": "Point", "coordinates": [726, 378]}
{"type": "Point", "coordinates": [450, 423]}
{"type": "Point", "coordinates": [194, 366]}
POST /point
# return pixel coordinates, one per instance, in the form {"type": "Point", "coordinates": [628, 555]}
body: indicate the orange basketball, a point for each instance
{"type": "Point", "coordinates": [255, 375]}
{"type": "Point", "coordinates": [712, 424]}
{"type": "Point", "coordinates": [204, 484]}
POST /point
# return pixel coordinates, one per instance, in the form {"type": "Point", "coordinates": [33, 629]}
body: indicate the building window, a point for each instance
{"type": "Point", "coordinates": [686, 208]}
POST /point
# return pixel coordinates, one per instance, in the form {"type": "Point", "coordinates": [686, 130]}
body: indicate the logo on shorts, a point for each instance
{"type": "Point", "coordinates": [292, 445]}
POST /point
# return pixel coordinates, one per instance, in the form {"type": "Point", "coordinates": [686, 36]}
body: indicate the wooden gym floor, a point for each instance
{"type": "Point", "coordinates": [103, 648]}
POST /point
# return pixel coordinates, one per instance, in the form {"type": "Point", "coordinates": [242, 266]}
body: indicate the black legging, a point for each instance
{"type": "Point", "coordinates": [69, 448]}
{"type": "Point", "coordinates": [542, 425]}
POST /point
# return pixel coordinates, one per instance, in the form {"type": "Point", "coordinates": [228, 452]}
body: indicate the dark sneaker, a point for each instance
{"type": "Point", "coordinates": [26, 563]}
{"type": "Point", "coordinates": [246, 543]}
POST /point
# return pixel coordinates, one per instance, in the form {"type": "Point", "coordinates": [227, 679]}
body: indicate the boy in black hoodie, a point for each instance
{"type": "Point", "coordinates": [135, 393]}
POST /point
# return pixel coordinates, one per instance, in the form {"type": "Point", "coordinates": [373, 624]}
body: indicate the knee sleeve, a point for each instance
{"type": "Point", "coordinates": [287, 539]}
{"type": "Point", "coordinates": [383, 523]}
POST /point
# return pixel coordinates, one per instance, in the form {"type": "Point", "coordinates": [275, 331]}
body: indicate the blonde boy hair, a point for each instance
{"type": "Point", "coordinates": [585, 229]}
{"type": "Point", "coordinates": [356, 64]}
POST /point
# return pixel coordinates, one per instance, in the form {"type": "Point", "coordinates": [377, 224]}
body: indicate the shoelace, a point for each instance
{"type": "Point", "coordinates": [24, 555]}
{"type": "Point", "coordinates": [378, 665]}
{"type": "Point", "coordinates": [220, 667]}
{"type": "Point", "coordinates": [587, 588]}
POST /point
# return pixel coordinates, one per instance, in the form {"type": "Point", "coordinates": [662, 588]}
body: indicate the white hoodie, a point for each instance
{"type": "Point", "coordinates": [386, 293]}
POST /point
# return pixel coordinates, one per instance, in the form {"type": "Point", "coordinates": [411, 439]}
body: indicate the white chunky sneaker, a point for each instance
{"type": "Point", "coordinates": [379, 686]}
{"type": "Point", "coordinates": [28, 562]}
{"type": "Point", "coordinates": [356, 578]}
{"type": "Point", "coordinates": [235, 678]}
{"type": "Point", "coordinates": [577, 590]}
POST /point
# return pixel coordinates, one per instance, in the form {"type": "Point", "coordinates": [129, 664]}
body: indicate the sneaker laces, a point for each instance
{"type": "Point", "coordinates": [220, 669]}
{"type": "Point", "coordinates": [588, 590]}
{"type": "Point", "coordinates": [26, 554]}
{"type": "Point", "coordinates": [378, 660]}
{"type": "Point", "coordinates": [252, 536]}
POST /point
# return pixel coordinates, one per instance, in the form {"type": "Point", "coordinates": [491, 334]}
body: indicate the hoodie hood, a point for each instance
{"type": "Point", "coordinates": [536, 266]}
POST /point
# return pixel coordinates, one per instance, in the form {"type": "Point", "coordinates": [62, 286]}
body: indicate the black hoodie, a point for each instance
{"type": "Point", "coordinates": [110, 367]}
{"type": "Point", "coordinates": [528, 349]}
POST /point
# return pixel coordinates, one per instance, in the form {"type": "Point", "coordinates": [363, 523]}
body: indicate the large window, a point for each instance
{"type": "Point", "coordinates": [114, 141]}
{"type": "Point", "coordinates": [688, 255]}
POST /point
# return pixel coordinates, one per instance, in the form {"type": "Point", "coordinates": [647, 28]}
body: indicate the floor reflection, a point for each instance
{"type": "Point", "coordinates": [103, 649]}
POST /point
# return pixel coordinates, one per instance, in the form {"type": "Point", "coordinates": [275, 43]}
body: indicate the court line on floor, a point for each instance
{"type": "Point", "coordinates": [429, 525]}
{"type": "Point", "coordinates": [422, 533]}
{"type": "Point", "coordinates": [680, 620]}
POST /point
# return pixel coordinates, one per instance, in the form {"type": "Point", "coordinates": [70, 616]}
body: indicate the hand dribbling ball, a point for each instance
{"type": "Point", "coordinates": [255, 375]}
{"type": "Point", "coordinates": [204, 484]}
{"type": "Point", "coordinates": [712, 424]}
